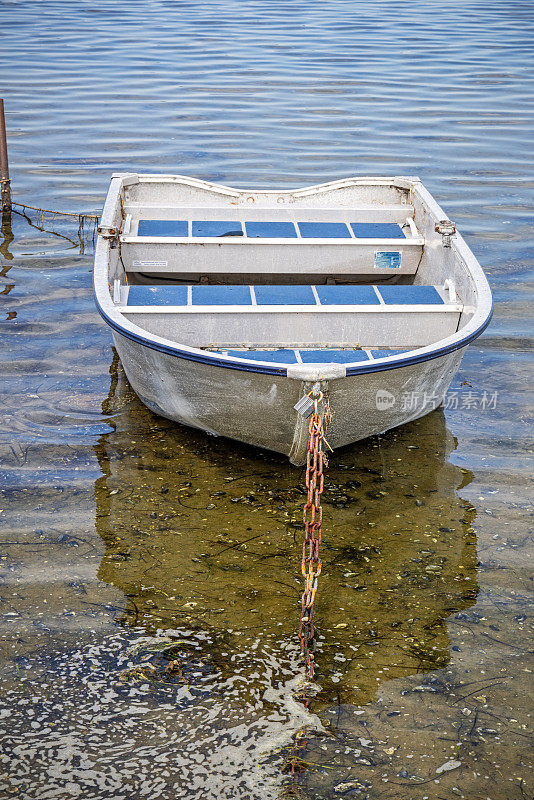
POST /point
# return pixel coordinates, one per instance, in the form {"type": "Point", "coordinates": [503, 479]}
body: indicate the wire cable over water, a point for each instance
{"type": "Point", "coordinates": [43, 219]}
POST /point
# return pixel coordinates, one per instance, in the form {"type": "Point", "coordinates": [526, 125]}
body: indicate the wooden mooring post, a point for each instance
{"type": "Point", "coordinates": [4, 164]}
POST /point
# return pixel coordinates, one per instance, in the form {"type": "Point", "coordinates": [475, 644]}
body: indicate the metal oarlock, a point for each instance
{"type": "Point", "coordinates": [447, 230]}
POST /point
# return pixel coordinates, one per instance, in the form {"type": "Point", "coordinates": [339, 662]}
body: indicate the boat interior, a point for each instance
{"type": "Point", "coordinates": [279, 278]}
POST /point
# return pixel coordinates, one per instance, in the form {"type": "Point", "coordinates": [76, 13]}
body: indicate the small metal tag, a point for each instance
{"type": "Point", "coordinates": [150, 263]}
{"type": "Point", "coordinates": [305, 406]}
{"type": "Point", "coordinates": [387, 260]}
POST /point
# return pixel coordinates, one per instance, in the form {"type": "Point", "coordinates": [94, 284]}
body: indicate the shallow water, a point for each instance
{"type": "Point", "coordinates": [151, 574]}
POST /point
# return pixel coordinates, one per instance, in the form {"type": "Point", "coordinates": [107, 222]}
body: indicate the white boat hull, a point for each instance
{"type": "Point", "coordinates": [258, 409]}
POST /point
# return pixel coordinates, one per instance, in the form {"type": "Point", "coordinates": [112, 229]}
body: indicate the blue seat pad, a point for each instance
{"type": "Point", "coordinates": [208, 228]}
{"type": "Point", "coordinates": [377, 230]}
{"type": "Point", "coordinates": [347, 295]}
{"type": "Point", "coordinates": [223, 295]}
{"type": "Point", "coordinates": [284, 295]}
{"type": "Point", "coordinates": [271, 230]}
{"type": "Point", "coordinates": [410, 295]}
{"type": "Point", "coordinates": [324, 230]}
{"type": "Point", "coordinates": [205, 295]}
{"type": "Point", "coordinates": [162, 227]}
{"type": "Point", "coordinates": [275, 230]}
{"type": "Point", "coordinates": [332, 356]}
{"type": "Point", "coordinates": [282, 356]}
{"type": "Point", "coordinates": [328, 356]}
{"type": "Point", "coordinates": [154, 296]}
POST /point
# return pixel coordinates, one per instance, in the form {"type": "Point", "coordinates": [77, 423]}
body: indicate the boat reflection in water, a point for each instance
{"type": "Point", "coordinates": [203, 536]}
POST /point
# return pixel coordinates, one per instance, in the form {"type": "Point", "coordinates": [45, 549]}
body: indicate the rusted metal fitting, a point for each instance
{"type": "Point", "coordinates": [447, 229]}
{"type": "Point", "coordinates": [106, 232]}
{"type": "Point", "coordinates": [316, 393]}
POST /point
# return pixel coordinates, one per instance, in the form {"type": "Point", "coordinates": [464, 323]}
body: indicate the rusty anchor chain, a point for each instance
{"type": "Point", "coordinates": [316, 461]}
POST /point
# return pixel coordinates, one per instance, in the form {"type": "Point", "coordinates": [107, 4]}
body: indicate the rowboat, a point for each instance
{"type": "Point", "coordinates": [229, 308]}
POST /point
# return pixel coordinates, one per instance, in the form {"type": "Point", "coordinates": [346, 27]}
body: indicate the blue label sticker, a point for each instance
{"type": "Point", "coordinates": [384, 260]}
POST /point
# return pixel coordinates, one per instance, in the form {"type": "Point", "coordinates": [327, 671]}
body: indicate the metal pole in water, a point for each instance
{"type": "Point", "coordinates": [4, 164]}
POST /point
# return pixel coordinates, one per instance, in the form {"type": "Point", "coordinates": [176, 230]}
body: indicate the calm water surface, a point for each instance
{"type": "Point", "coordinates": [150, 574]}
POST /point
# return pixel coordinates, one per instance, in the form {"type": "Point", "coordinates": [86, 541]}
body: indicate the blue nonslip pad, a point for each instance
{"type": "Point", "coordinates": [282, 356]}
{"type": "Point", "coordinates": [157, 296]}
{"type": "Point", "coordinates": [332, 356]}
{"type": "Point", "coordinates": [284, 295]}
{"type": "Point", "coordinates": [347, 295]}
{"type": "Point", "coordinates": [205, 295]}
{"type": "Point", "coordinates": [324, 230]}
{"type": "Point", "coordinates": [410, 295]}
{"type": "Point", "coordinates": [216, 228]}
{"type": "Point", "coordinates": [377, 230]}
{"type": "Point", "coordinates": [162, 227]}
{"type": "Point", "coordinates": [270, 230]}
{"type": "Point", "coordinates": [386, 353]}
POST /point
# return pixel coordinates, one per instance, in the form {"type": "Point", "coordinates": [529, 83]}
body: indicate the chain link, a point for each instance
{"type": "Point", "coordinates": [312, 516]}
